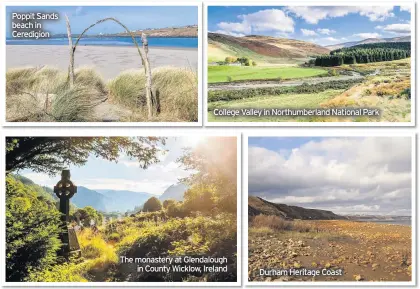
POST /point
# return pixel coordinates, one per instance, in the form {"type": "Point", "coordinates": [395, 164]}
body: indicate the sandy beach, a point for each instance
{"type": "Point", "coordinates": [109, 61]}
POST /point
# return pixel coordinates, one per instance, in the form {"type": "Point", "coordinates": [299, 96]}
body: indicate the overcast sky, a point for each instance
{"type": "Point", "coordinates": [324, 25]}
{"type": "Point", "coordinates": [126, 174]}
{"type": "Point", "coordinates": [345, 175]}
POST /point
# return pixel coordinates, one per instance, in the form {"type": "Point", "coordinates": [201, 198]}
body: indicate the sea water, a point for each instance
{"type": "Point", "coordinates": [178, 42]}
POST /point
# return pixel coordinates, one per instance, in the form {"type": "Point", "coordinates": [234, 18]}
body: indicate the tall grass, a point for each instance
{"type": "Point", "coordinates": [45, 94]}
{"type": "Point", "coordinates": [175, 88]}
{"type": "Point", "coordinates": [100, 255]}
{"type": "Point", "coordinates": [276, 223]}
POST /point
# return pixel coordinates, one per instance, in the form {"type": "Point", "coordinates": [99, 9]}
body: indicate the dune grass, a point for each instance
{"type": "Point", "coordinates": [43, 95]}
{"type": "Point", "coordinates": [175, 88]}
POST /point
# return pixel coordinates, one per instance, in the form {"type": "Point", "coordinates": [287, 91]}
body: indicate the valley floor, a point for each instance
{"type": "Point", "coordinates": [386, 86]}
{"type": "Point", "coordinates": [364, 251]}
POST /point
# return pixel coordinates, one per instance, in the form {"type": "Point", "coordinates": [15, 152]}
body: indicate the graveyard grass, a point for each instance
{"type": "Point", "coordinates": [203, 224]}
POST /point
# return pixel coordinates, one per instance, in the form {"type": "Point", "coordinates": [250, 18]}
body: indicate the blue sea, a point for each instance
{"type": "Point", "coordinates": [111, 41]}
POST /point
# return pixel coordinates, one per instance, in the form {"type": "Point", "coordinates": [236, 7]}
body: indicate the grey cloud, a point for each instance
{"type": "Point", "coordinates": [357, 175]}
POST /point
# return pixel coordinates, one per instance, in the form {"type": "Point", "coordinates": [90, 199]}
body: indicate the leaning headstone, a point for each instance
{"type": "Point", "coordinates": [64, 190]}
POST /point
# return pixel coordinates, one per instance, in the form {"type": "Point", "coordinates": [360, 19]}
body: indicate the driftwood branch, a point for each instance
{"type": "Point", "coordinates": [151, 100]}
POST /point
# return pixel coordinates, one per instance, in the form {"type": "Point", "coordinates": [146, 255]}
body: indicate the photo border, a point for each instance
{"type": "Point", "coordinates": [109, 132]}
{"type": "Point", "coordinates": [330, 134]}
{"type": "Point", "coordinates": [412, 122]}
{"type": "Point", "coordinates": [3, 69]}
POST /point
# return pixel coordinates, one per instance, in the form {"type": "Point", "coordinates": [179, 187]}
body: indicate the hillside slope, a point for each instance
{"type": "Point", "coordinates": [256, 47]}
{"type": "Point", "coordinates": [174, 192]}
{"type": "Point", "coordinates": [185, 31]}
{"type": "Point", "coordinates": [369, 40]}
{"type": "Point", "coordinates": [259, 206]}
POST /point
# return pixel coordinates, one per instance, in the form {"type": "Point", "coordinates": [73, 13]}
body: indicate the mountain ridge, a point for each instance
{"type": "Point", "coordinates": [259, 206]}
{"type": "Point", "coordinates": [369, 40]}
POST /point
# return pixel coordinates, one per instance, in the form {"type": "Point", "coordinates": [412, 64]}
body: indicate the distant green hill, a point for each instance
{"type": "Point", "coordinates": [45, 192]}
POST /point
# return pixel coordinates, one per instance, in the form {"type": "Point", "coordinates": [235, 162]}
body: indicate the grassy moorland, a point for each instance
{"type": "Point", "coordinates": [218, 74]}
{"type": "Point", "coordinates": [44, 95]}
{"type": "Point", "coordinates": [386, 85]}
{"type": "Point", "coordinates": [365, 251]}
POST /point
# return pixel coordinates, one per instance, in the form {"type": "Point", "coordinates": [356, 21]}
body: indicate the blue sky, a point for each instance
{"type": "Point", "coordinates": [134, 17]}
{"type": "Point", "coordinates": [126, 174]}
{"type": "Point", "coordinates": [360, 175]}
{"type": "Point", "coordinates": [324, 25]}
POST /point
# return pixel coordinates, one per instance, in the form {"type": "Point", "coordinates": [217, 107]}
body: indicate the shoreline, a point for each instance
{"type": "Point", "coordinates": [108, 61]}
{"type": "Point", "coordinates": [127, 46]}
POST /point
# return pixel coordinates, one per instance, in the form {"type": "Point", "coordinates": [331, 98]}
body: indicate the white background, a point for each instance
{"type": "Point", "coordinates": [286, 130]}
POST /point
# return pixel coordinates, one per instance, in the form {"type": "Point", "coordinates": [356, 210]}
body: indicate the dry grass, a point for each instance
{"type": "Point", "coordinates": [275, 223]}
{"type": "Point", "coordinates": [43, 94]}
{"type": "Point", "coordinates": [176, 89]}
{"type": "Point", "coordinates": [98, 253]}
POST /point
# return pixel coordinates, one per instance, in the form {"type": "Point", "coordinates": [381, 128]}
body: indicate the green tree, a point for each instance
{"type": "Point", "coordinates": [214, 164]}
{"type": "Point", "coordinates": [32, 231]}
{"type": "Point", "coordinates": [168, 202]}
{"type": "Point", "coordinates": [176, 210]}
{"type": "Point", "coordinates": [230, 59]}
{"type": "Point", "coordinates": [86, 214]}
{"type": "Point", "coordinates": [152, 205]}
{"type": "Point", "coordinates": [254, 63]}
{"type": "Point", "coordinates": [52, 154]}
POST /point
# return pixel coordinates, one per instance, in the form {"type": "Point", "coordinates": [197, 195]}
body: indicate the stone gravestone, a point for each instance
{"type": "Point", "coordinates": [65, 189]}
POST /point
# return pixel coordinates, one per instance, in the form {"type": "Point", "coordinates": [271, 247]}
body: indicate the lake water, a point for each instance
{"type": "Point", "coordinates": [390, 222]}
{"type": "Point", "coordinates": [111, 41]}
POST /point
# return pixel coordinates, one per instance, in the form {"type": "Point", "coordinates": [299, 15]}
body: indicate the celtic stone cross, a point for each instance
{"type": "Point", "coordinates": [64, 190]}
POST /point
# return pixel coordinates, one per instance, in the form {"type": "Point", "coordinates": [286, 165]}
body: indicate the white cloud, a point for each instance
{"type": "Point", "coordinates": [398, 28]}
{"type": "Point", "coordinates": [367, 35]}
{"type": "Point", "coordinates": [330, 39]}
{"type": "Point", "coordinates": [237, 27]}
{"type": "Point", "coordinates": [313, 14]}
{"type": "Point", "coordinates": [405, 8]}
{"type": "Point", "coordinates": [326, 31]}
{"type": "Point", "coordinates": [156, 187]}
{"type": "Point", "coordinates": [307, 32]}
{"type": "Point", "coordinates": [272, 20]}
{"type": "Point", "coordinates": [41, 179]}
{"type": "Point", "coordinates": [229, 33]}
{"type": "Point", "coordinates": [345, 175]}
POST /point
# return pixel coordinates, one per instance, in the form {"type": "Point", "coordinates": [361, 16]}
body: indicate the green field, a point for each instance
{"type": "Point", "coordinates": [232, 73]}
{"type": "Point", "coordinates": [308, 100]}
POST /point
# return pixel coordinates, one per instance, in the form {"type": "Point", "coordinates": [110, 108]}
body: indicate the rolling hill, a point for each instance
{"type": "Point", "coordinates": [259, 47]}
{"type": "Point", "coordinates": [122, 200]}
{"type": "Point", "coordinates": [369, 40]}
{"type": "Point", "coordinates": [259, 206]}
{"type": "Point", "coordinates": [86, 197]}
